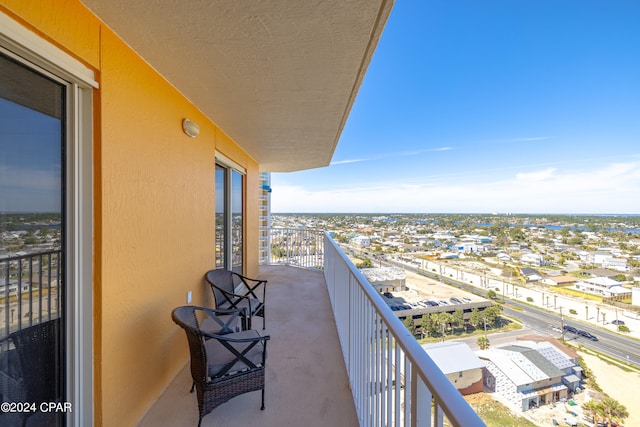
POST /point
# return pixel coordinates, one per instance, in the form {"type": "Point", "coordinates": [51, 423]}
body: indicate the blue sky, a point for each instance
{"type": "Point", "coordinates": [30, 166]}
{"type": "Point", "coordinates": [527, 106]}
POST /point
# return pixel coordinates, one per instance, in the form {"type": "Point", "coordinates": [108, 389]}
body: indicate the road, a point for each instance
{"type": "Point", "coordinates": [542, 321]}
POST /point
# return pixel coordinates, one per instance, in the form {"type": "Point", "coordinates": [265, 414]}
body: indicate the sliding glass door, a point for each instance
{"type": "Point", "coordinates": [229, 218]}
{"type": "Point", "coordinates": [33, 139]}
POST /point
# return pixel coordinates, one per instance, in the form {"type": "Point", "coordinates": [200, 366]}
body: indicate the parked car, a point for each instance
{"type": "Point", "coordinates": [455, 301]}
{"type": "Point", "coordinates": [587, 335]}
{"type": "Point", "coordinates": [617, 322]}
{"type": "Point", "coordinates": [570, 329]}
{"type": "Point", "coordinates": [466, 299]}
{"type": "Point", "coordinates": [388, 294]}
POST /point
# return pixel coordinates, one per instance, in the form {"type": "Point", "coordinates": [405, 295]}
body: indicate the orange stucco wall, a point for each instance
{"type": "Point", "coordinates": [154, 209]}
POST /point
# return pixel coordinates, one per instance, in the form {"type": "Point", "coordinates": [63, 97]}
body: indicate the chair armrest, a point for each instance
{"type": "Point", "coordinates": [227, 338]}
{"type": "Point", "coordinates": [219, 311]}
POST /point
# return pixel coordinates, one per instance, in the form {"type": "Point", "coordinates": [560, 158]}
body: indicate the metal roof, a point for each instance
{"type": "Point", "coordinates": [453, 356]}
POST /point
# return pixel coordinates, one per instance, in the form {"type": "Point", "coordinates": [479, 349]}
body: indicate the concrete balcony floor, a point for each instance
{"type": "Point", "coordinates": [306, 381]}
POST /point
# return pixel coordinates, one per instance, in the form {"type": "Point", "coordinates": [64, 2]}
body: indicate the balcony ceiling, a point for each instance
{"type": "Point", "coordinates": [279, 77]}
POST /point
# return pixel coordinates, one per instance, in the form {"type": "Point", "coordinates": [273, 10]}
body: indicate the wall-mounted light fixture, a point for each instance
{"type": "Point", "coordinates": [190, 128]}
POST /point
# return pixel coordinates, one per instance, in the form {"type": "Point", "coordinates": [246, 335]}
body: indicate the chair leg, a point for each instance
{"type": "Point", "coordinates": [200, 421]}
{"type": "Point", "coordinates": [262, 407]}
{"type": "Point", "coordinates": [193, 386]}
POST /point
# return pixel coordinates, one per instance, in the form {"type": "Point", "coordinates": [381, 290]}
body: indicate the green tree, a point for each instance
{"type": "Point", "coordinates": [366, 263]}
{"type": "Point", "coordinates": [457, 318]}
{"type": "Point", "coordinates": [490, 314]}
{"type": "Point", "coordinates": [517, 234]}
{"type": "Point", "coordinates": [576, 240]}
{"type": "Point", "coordinates": [427, 324]}
{"type": "Point", "coordinates": [476, 318]}
{"type": "Point", "coordinates": [620, 277]}
{"type": "Point", "coordinates": [442, 320]}
{"type": "Point", "coordinates": [410, 325]}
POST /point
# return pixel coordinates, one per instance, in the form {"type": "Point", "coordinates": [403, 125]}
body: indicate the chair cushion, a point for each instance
{"type": "Point", "coordinates": [218, 356]}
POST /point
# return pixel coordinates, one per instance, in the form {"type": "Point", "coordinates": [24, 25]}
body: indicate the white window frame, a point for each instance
{"type": "Point", "coordinates": [227, 163]}
{"type": "Point", "coordinates": [21, 44]}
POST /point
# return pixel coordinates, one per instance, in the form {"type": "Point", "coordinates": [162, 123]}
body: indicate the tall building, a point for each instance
{"type": "Point", "coordinates": [264, 219]}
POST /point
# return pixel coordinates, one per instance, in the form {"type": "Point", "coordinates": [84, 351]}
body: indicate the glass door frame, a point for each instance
{"type": "Point", "coordinates": [36, 53]}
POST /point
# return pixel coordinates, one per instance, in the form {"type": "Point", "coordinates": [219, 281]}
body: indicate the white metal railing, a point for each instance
{"type": "Point", "coordinates": [29, 290]}
{"type": "Point", "coordinates": [393, 380]}
{"type": "Point", "coordinates": [296, 246]}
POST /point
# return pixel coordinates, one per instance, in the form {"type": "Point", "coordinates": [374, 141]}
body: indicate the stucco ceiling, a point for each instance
{"type": "Point", "coordinates": [279, 77]}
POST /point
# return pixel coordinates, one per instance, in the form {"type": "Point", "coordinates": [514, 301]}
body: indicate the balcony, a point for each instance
{"type": "Point", "coordinates": [306, 382]}
{"type": "Point", "coordinates": [337, 355]}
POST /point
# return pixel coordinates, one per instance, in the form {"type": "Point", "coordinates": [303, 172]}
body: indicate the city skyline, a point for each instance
{"type": "Point", "coordinates": [480, 107]}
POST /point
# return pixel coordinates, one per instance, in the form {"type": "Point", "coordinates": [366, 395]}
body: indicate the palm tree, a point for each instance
{"type": "Point", "coordinates": [483, 342]}
{"type": "Point", "coordinates": [613, 410]}
{"type": "Point", "coordinates": [594, 409]}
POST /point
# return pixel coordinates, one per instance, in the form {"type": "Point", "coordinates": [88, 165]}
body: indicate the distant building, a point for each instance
{"type": "Point", "coordinates": [532, 258]}
{"type": "Point", "coordinates": [362, 241]}
{"type": "Point", "coordinates": [503, 257]}
{"type": "Point", "coordinates": [386, 279]}
{"type": "Point", "coordinates": [530, 274]}
{"type": "Point", "coordinates": [602, 286]}
{"type": "Point", "coordinates": [560, 355]}
{"type": "Point", "coordinates": [524, 377]}
{"type": "Point", "coordinates": [459, 363]}
{"type": "Point", "coordinates": [559, 281]}
{"type": "Point", "coordinates": [264, 211]}
{"type": "Point", "coordinates": [607, 260]}
{"type": "Point", "coordinates": [635, 296]}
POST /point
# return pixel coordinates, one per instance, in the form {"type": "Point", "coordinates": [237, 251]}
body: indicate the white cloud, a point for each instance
{"type": "Point", "coordinates": [29, 179]}
{"type": "Point", "coordinates": [344, 162]}
{"type": "Point", "coordinates": [613, 188]}
{"type": "Point", "coordinates": [535, 176]}
{"type": "Point", "coordinates": [395, 154]}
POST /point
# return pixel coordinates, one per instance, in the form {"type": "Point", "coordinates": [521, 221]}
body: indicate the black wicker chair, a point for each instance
{"type": "Point", "coordinates": [38, 350]}
{"type": "Point", "coordinates": [232, 290]}
{"type": "Point", "coordinates": [222, 366]}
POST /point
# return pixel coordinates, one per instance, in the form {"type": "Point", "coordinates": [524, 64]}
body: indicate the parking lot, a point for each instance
{"type": "Point", "coordinates": [425, 293]}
